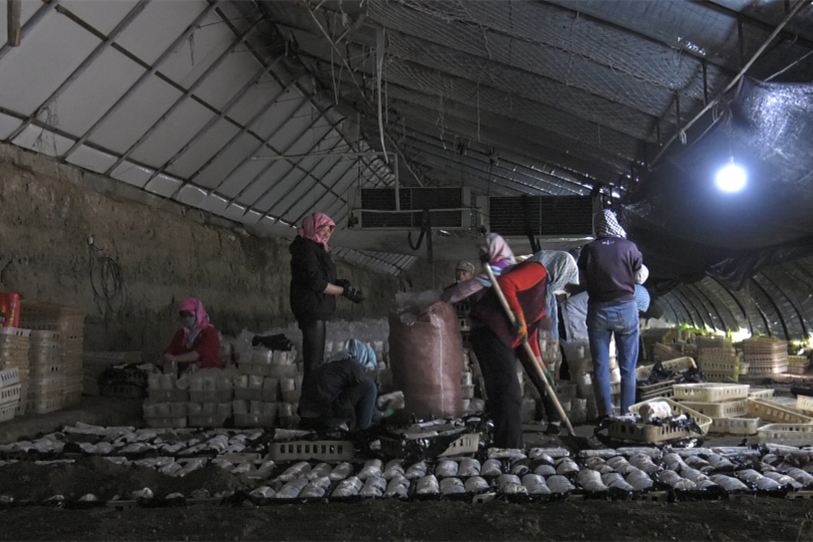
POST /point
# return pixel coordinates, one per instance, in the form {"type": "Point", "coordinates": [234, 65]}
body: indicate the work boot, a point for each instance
{"type": "Point", "coordinates": [553, 429]}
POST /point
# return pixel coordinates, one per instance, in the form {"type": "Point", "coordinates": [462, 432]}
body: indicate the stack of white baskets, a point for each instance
{"type": "Point", "coordinates": [9, 393]}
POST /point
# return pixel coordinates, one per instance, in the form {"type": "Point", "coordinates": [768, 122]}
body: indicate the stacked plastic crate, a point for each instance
{"type": "Point", "coordinates": [9, 393]}
{"type": "Point", "coordinates": [55, 355]}
{"type": "Point", "coordinates": [765, 356]}
{"type": "Point", "coordinates": [14, 346]}
{"type": "Point", "coordinates": [721, 364]}
{"type": "Point", "coordinates": [583, 406]}
{"type": "Point", "coordinates": [725, 404]}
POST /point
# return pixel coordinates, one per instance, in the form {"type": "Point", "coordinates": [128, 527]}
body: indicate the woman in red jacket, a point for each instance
{"type": "Point", "coordinates": [197, 343]}
{"type": "Point", "coordinates": [497, 343]}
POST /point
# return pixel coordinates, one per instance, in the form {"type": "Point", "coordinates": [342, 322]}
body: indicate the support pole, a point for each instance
{"type": "Point", "coordinates": [14, 28]}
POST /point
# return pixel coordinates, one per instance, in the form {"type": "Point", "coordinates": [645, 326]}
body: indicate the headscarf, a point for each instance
{"type": "Point", "coordinates": [562, 270]}
{"type": "Point", "coordinates": [360, 351]}
{"type": "Point", "coordinates": [194, 306]}
{"type": "Point", "coordinates": [642, 298]}
{"type": "Point", "coordinates": [641, 275]}
{"type": "Point", "coordinates": [312, 224]}
{"type": "Point", "coordinates": [605, 224]}
{"type": "Point", "coordinates": [561, 267]}
{"type": "Point", "coordinates": [500, 256]}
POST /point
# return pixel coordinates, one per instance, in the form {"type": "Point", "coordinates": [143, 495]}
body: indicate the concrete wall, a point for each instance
{"type": "Point", "coordinates": [163, 251]}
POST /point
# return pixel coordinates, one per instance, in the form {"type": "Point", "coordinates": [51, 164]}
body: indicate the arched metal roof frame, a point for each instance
{"type": "Point", "coordinates": [731, 303]}
{"type": "Point", "coordinates": [171, 176]}
{"type": "Point", "coordinates": [708, 305]}
{"type": "Point", "coordinates": [768, 308]}
{"type": "Point", "coordinates": [791, 312]}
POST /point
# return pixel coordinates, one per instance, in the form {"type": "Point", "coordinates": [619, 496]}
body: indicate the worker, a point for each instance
{"type": "Point", "coordinates": [314, 287]}
{"type": "Point", "coordinates": [500, 256]}
{"type": "Point", "coordinates": [608, 268]}
{"type": "Point", "coordinates": [563, 274]}
{"type": "Point", "coordinates": [497, 344]}
{"type": "Point", "coordinates": [197, 344]}
{"type": "Point", "coordinates": [463, 271]}
{"type": "Point", "coordinates": [340, 390]}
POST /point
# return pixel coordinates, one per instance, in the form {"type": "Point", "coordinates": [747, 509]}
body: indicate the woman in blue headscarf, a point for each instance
{"type": "Point", "coordinates": [562, 270]}
{"type": "Point", "coordinates": [340, 389]}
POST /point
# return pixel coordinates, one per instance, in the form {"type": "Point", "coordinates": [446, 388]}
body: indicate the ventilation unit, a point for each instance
{"type": "Point", "coordinates": [561, 216]}
{"type": "Point", "coordinates": [403, 208]}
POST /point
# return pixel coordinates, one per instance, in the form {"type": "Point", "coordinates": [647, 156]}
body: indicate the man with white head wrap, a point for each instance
{"type": "Point", "coordinates": [609, 266]}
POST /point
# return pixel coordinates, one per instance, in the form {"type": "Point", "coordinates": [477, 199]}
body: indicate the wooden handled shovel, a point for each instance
{"type": "Point", "coordinates": [538, 365]}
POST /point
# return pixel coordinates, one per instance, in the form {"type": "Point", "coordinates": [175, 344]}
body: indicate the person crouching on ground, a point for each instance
{"type": "Point", "coordinates": [340, 390]}
{"type": "Point", "coordinates": [197, 344]}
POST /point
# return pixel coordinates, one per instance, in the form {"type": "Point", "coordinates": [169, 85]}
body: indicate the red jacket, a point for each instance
{"type": "Point", "coordinates": [206, 344]}
{"type": "Point", "coordinates": [525, 289]}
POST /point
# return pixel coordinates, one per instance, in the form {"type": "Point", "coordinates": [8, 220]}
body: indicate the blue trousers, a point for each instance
{"type": "Point", "coordinates": [604, 320]}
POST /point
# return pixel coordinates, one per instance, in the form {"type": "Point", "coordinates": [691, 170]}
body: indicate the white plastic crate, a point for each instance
{"type": "Point", "coordinates": [760, 393]}
{"type": "Point", "coordinates": [734, 426]}
{"type": "Point", "coordinates": [791, 434]}
{"type": "Point", "coordinates": [320, 450]}
{"type": "Point", "coordinates": [710, 393]}
{"type": "Point", "coordinates": [803, 402]}
{"type": "Point", "coordinates": [725, 409]}
{"type": "Point", "coordinates": [10, 395]}
{"type": "Point", "coordinates": [771, 412]}
{"type": "Point", "coordinates": [641, 432]}
{"type": "Point", "coordinates": [7, 412]}
{"type": "Point", "coordinates": [9, 377]}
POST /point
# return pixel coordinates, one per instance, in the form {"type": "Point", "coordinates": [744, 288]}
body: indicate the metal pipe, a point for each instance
{"type": "Point", "coordinates": [796, 9]}
{"type": "Point", "coordinates": [30, 25]}
{"type": "Point", "coordinates": [13, 20]}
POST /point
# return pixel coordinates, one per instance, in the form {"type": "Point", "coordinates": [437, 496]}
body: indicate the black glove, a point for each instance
{"type": "Point", "coordinates": [353, 294]}
{"type": "Point", "coordinates": [342, 283]}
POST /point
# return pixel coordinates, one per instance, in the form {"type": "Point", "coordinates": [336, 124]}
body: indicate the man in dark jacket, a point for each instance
{"type": "Point", "coordinates": [340, 390]}
{"type": "Point", "coordinates": [608, 267]}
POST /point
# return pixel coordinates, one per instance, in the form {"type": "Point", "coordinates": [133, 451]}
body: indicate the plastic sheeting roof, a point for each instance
{"type": "Point", "coordinates": [586, 89]}
{"type": "Point", "coordinates": [186, 100]}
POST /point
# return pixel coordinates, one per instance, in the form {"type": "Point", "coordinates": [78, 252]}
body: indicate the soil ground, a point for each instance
{"type": "Point", "coordinates": [744, 519]}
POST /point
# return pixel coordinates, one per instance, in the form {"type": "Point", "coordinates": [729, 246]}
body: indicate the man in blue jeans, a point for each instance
{"type": "Point", "coordinates": [609, 266]}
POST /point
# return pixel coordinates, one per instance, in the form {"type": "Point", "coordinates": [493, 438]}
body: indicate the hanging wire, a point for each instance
{"type": "Point", "coordinates": [107, 282]}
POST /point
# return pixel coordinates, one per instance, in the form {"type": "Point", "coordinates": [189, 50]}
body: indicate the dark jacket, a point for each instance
{"type": "Point", "coordinates": [610, 263]}
{"type": "Point", "coordinates": [312, 270]}
{"type": "Point", "coordinates": [322, 390]}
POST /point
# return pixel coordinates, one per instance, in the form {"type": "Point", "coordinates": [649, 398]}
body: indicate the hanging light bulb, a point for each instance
{"type": "Point", "coordinates": [731, 178]}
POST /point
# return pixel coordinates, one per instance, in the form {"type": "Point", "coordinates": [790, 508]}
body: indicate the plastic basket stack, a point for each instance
{"type": "Point", "coordinates": [583, 407]}
{"type": "Point", "coordinates": [725, 404]}
{"type": "Point", "coordinates": [721, 364]}
{"type": "Point", "coordinates": [765, 356]}
{"type": "Point", "coordinates": [14, 346]}
{"type": "Point", "coordinates": [9, 393]}
{"type": "Point", "coordinates": [797, 364]}
{"type": "Point", "coordinates": [55, 355]}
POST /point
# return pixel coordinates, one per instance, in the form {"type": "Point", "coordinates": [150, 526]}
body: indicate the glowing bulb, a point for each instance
{"type": "Point", "coordinates": [731, 178]}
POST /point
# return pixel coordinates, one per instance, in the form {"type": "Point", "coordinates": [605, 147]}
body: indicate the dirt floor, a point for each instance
{"type": "Point", "coordinates": [744, 519]}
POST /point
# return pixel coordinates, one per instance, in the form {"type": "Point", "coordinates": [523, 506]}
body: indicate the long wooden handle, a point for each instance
{"type": "Point", "coordinates": [538, 364]}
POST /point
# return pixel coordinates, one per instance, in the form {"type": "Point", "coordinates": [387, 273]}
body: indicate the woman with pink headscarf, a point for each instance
{"type": "Point", "coordinates": [197, 343]}
{"type": "Point", "coordinates": [315, 286]}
